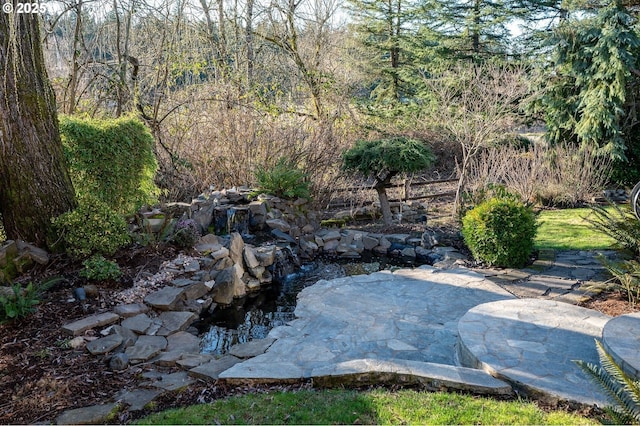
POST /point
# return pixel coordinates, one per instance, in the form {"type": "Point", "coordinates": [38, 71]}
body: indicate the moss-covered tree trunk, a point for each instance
{"type": "Point", "coordinates": [34, 183]}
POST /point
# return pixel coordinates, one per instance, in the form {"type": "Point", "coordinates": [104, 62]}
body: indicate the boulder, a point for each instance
{"type": "Point", "coordinates": [266, 255]}
{"type": "Point", "coordinates": [236, 248]}
{"type": "Point", "coordinates": [204, 216]}
{"type": "Point", "coordinates": [250, 258]}
{"type": "Point", "coordinates": [429, 239]}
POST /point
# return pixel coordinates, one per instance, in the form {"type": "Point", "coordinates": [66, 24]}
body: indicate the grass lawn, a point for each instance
{"type": "Point", "coordinates": [369, 407]}
{"type": "Point", "coordinates": [567, 230]}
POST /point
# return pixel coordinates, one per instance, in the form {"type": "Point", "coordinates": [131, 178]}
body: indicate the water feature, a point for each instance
{"type": "Point", "coordinates": [255, 315]}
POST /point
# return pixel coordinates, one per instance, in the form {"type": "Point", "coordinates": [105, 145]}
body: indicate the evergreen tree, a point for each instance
{"type": "Point", "coordinates": [589, 89]}
{"type": "Point", "coordinates": [383, 28]}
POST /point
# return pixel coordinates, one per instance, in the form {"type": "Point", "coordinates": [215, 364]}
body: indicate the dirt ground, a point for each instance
{"type": "Point", "coordinates": [41, 375]}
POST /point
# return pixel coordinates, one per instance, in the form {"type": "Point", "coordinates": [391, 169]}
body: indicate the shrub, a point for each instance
{"type": "Point", "coordinates": [623, 390]}
{"type": "Point", "coordinates": [20, 304]}
{"type": "Point", "coordinates": [284, 180]}
{"type": "Point", "coordinates": [619, 223]}
{"type": "Point", "coordinates": [560, 175]}
{"type": "Point", "coordinates": [187, 233]}
{"type": "Point", "coordinates": [500, 232]}
{"type": "Point", "coordinates": [99, 268]}
{"type": "Point", "coordinates": [91, 228]}
{"type": "Point", "coordinates": [111, 159]}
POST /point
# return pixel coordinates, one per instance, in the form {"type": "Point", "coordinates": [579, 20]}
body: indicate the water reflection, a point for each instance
{"type": "Point", "coordinates": [254, 316]}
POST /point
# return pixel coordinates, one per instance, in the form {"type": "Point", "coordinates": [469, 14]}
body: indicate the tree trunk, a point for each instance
{"type": "Point", "coordinates": [34, 183]}
{"type": "Point", "coordinates": [381, 188]}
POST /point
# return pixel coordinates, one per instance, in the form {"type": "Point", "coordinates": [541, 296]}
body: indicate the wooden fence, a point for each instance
{"type": "Point", "coordinates": [406, 191]}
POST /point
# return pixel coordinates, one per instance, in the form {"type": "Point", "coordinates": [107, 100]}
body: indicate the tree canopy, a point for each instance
{"type": "Point", "coordinates": [383, 159]}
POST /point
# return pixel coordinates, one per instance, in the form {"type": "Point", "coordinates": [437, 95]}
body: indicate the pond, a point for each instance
{"type": "Point", "coordinates": [252, 317]}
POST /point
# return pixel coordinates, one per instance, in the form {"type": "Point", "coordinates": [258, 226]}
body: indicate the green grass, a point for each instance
{"type": "Point", "coordinates": [567, 230]}
{"type": "Point", "coordinates": [370, 407]}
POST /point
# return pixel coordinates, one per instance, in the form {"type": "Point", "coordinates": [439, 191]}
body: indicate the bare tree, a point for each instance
{"type": "Point", "coordinates": [477, 105]}
{"type": "Point", "coordinates": [289, 20]}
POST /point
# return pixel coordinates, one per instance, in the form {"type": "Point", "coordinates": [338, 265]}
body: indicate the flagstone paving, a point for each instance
{"type": "Point", "coordinates": [487, 331]}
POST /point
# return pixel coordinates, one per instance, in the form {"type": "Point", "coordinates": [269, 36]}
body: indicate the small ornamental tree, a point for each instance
{"type": "Point", "coordinates": [385, 158]}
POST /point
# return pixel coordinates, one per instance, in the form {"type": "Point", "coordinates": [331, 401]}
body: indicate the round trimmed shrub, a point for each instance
{"type": "Point", "coordinates": [500, 232]}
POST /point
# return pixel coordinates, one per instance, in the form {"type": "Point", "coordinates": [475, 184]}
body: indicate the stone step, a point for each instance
{"type": "Point", "coordinates": [78, 327]}
{"type": "Point", "coordinates": [359, 372]}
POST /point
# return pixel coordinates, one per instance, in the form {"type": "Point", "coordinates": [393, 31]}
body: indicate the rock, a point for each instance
{"type": "Point", "coordinates": [91, 291]}
{"type": "Point", "coordinates": [257, 272]}
{"type": "Point", "coordinates": [226, 282]}
{"type": "Point", "coordinates": [104, 344]}
{"type": "Point", "coordinates": [413, 241]}
{"type": "Point", "coordinates": [219, 253]}
{"type": "Point", "coordinates": [409, 252]}
{"type": "Point", "coordinates": [397, 238]}
{"type": "Point", "coordinates": [383, 246]}
{"type": "Point", "coordinates": [344, 214]}
{"type": "Point", "coordinates": [183, 342]}
{"type": "Point", "coordinates": [252, 348]}
{"type": "Point", "coordinates": [283, 236]}
{"type": "Point", "coordinates": [8, 251]}
{"type": "Point", "coordinates": [93, 415]}
{"type": "Point", "coordinates": [239, 286]}
{"type": "Point", "coordinates": [190, 361]}
{"type": "Point", "coordinates": [236, 248]}
{"type": "Point", "coordinates": [422, 253]}
{"type": "Point", "coordinates": [209, 239]}
{"type": "Point", "coordinates": [331, 245]}
{"type": "Point", "coordinates": [145, 348]}
{"type": "Point", "coordinates": [196, 290]}
{"type": "Point", "coordinates": [78, 327]}
{"type": "Point", "coordinates": [330, 236]}
{"type": "Point", "coordinates": [119, 362]}
{"type": "Point", "coordinates": [130, 310]}
{"type": "Point", "coordinates": [182, 282]}
{"type": "Point", "coordinates": [369, 242]}
{"type": "Point", "coordinates": [138, 324]}
{"type": "Point", "coordinates": [174, 381]}
{"type": "Point", "coordinates": [212, 369]}
{"type": "Point", "coordinates": [278, 224]}
{"type": "Point", "coordinates": [129, 338]}
{"type": "Point", "coordinates": [429, 239]}
{"type": "Point", "coordinates": [253, 284]}
{"type": "Point", "coordinates": [258, 208]}
{"type": "Point", "coordinates": [266, 255]}
{"type": "Point", "coordinates": [203, 217]}
{"type": "Point", "coordinates": [250, 258]}
{"type": "Point", "coordinates": [37, 254]}
{"type": "Point", "coordinates": [191, 266]}
{"type": "Point", "coordinates": [164, 299]}
{"type": "Point", "coordinates": [173, 322]}
{"type": "Point", "coordinates": [221, 264]}
{"type": "Point", "coordinates": [308, 229]}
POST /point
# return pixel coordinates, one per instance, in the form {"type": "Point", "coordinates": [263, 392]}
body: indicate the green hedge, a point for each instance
{"type": "Point", "coordinates": [111, 159]}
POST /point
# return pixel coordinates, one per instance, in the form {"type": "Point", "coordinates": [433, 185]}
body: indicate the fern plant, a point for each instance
{"type": "Point", "coordinates": [623, 390]}
{"type": "Point", "coordinates": [20, 304]}
{"type": "Point", "coordinates": [618, 222]}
